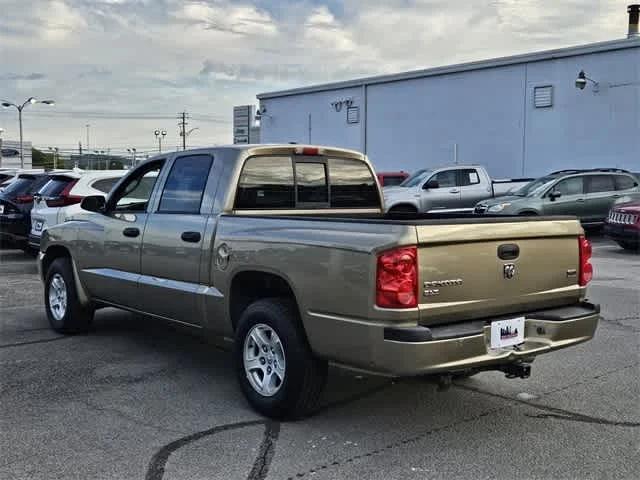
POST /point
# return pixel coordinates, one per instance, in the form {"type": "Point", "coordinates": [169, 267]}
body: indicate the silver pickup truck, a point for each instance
{"type": "Point", "coordinates": [284, 252]}
{"type": "Point", "coordinates": [452, 189]}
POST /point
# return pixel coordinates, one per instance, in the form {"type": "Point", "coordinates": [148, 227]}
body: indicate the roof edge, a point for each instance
{"type": "Point", "coordinates": [564, 52]}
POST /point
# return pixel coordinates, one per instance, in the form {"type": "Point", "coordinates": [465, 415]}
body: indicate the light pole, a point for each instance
{"type": "Point", "coordinates": [87, 126]}
{"type": "Point", "coordinates": [185, 134]}
{"type": "Point", "coordinates": [28, 101]}
{"type": "Point", "coordinates": [55, 151]}
{"type": "Point", "coordinates": [132, 151]}
{"type": "Point", "coordinates": [160, 134]}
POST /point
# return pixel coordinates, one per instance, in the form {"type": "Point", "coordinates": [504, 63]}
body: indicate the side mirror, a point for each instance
{"type": "Point", "coordinates": [553, 195]}
{"type": "Point", "coordinates": [93, 203]}
{"type": "Point", "coordinates": [431, 184]}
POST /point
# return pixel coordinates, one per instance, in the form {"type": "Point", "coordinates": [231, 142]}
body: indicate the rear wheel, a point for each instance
{"type": "Point", "coordinates": [65, 312]}
{"type": "Point", "coordinates": [278, 373]}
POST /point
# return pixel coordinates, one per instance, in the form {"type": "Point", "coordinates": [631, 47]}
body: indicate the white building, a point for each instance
{"type": "Point", "coordinates": [518, 115]}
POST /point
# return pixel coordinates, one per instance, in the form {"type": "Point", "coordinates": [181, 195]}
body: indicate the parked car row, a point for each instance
{"type": "Point", "coordinates": [587, 194]}
{"type": "Point", "coordinates": [33, 200]}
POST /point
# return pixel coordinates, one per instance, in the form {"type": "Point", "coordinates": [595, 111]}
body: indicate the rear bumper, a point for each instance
{"type": "Point", "coordinates": [408, 351]}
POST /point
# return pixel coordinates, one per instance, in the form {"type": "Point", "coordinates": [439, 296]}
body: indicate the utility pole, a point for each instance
{"type": "Point", "coordinates": [183, 128]}
{"type": "Point", "coordinates": [87, 125]}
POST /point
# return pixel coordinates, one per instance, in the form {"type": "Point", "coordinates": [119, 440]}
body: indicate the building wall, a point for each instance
{"type": "Point", "coordinates": [489, 114]}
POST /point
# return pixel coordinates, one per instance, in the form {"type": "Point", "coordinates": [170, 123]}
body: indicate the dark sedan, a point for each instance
{"type": "Point", "coordinates": [16, 202]}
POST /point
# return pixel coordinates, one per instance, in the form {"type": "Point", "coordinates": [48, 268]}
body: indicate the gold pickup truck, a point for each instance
{"type": "Point", "coordinates": [284, 252]}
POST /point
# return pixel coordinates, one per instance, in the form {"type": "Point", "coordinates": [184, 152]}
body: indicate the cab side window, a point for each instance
{"type": "Point", "coordinates": [600, 183]}
{"type": "Point", "coordinates": [468, 177]}
{"type": "Point", "coordinates": [134, 193]}
{"type": "Point", "coordinates": [445, 179]}
{"type": "Point", "coordinates": [185, 184]}
{"type": "Point", "coordinates": [570, 186]}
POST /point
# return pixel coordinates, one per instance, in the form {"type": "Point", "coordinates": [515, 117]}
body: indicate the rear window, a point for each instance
{"type": "Point", "coordinates": [352, 184]}
{"type": "Point", "coordinates": [265, 183]}
{"type": "Point", "coordinates": [282, 183]}
{"type": "Point", "coordinates": [624, 182]}
{"type": "Point", "coordinates": [20, 186]}
{"type": "Point", "coordinates": [55, 186]}
{"type": "Point", "coordinates": [392, 180]}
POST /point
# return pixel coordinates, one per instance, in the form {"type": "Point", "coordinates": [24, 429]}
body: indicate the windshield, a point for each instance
{"type": "Point", "coordinates": [532, 187]}
{"type": "Point", "coordinates": [416, 178]}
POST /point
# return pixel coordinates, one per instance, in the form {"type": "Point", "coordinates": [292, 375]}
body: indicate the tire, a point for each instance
{"type": "Point", "coordinates": [65, 312]}
{"type": "Point", "coordinates": [297, 393]}
{"type": "Point", "coordinates": [629, 245]}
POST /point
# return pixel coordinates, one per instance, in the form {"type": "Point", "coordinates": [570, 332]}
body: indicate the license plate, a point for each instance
{"type": "Point", "coordinates": [38, 226]}
{"type": "Point", "coordinates": [506, 333]}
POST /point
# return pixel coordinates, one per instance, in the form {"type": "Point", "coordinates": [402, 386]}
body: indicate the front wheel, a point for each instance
{"type": "Point", "coordinates": [278, 373]}
{"type": "Point", "coordinates": [65, 312]}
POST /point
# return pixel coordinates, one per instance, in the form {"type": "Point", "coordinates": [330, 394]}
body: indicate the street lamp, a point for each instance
{"type": "Point", "coordinates": [55, 151]}
{"type": "Point", "coordinates": [28, 101]}
{"type": "Point", "coordinates": [132, 151]}
{"type": "Point", "coordinates": [160, 134]}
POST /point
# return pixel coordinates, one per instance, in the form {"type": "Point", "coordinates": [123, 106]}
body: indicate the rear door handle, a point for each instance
{"type": "Point", "coordinates": [131, 232]}
{"type": "Point", "coordinates": [454, 190]}
{"type": "Point", "coordinates": [617, 195]}
{"type": "Point", "coordinates": [580, 200]}
{"type": "Point", "coordinates": [192, 237]}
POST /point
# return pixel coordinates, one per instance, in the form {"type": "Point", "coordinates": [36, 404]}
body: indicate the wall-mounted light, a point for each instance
{"type": "Point", "coordinates": [261, 112]}
{"type": "Point", "coordinates": [582, 80]}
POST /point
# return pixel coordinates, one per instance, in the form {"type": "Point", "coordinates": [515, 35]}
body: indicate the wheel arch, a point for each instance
{"type": "Point", "coordinates": [248, 286]}
{"type": "Point", "coordinates": [54, 252]}
{"type": "Point", "coordinates": [404, 204]}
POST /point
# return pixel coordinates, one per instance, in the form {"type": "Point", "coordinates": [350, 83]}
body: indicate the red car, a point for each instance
{"type": "Point", "coordinates": [623, 225]}
{"type": "Point", "coordinates": [388, 179]}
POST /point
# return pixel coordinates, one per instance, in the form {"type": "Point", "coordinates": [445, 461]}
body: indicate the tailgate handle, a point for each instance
{"type": "Point", "coordinates": [508, 251]}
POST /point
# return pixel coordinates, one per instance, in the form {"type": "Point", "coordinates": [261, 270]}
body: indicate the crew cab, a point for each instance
{"type": "Point", "coordinates": [447, 189]}
{"type": "Point", "coordinates": [284, 252]}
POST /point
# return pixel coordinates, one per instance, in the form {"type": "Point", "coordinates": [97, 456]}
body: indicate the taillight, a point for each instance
{"type": "Point", "coordinates": [24, 199]}
{"type": "Point", "coordinates": [64, 198]}
{"type": "Point", "coordinates": [397, 278]}
{"type": "Point", "coordinates": [586, 269]}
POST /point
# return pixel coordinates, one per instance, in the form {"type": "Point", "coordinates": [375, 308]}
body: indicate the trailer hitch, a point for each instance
{"type": "Point", "coordinates": [516, 370]}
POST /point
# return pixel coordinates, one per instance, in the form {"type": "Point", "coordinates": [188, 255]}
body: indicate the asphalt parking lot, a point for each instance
{"type": "Point", "coordinates": [136, 399]}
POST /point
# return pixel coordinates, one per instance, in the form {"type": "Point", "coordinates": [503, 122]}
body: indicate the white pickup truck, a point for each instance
{"type": "Point", "coordinates": [447, 189]}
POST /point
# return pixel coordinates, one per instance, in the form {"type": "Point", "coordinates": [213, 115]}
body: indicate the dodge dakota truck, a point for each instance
{"type": "Point", "coordinates": [284, 253]}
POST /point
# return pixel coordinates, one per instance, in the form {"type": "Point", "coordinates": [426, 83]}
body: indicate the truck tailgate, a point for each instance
{"type": "Point", "coordinates": [462, 274]}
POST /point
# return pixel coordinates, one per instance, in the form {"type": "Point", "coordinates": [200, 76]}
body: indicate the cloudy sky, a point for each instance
{"type": "Point", "coordinates": [127, 67]}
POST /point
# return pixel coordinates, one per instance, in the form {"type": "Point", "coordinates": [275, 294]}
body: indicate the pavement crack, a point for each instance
{"type": "Point", "coordinates": [155, 470]}
{"type": "Point", "coordinates": [262, 463]}
{"type": "Point", "coordinates": [578, 417]}
{"type": "Point", "coordinates": [129, 418]}
{"type": "Point", "coordinates": [618, 322]}
{"type": "Point", "coordinates": [336, 463]}
{"type": "Point", "coordinates": [354, 398]}
{"type": "Point", "coordinates": [32, 342]}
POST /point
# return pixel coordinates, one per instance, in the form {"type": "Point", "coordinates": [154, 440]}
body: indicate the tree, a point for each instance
{"type": "Point", "coordinates": [39, 159]}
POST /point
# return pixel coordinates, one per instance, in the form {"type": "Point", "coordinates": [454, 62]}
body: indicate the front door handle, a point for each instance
{"type": "Point", "coordinates": [454, 190]}
{"type": "Point", "coordinates": [131, 232]}
{"type": "Point", "coordinates": [617, 195]}
{"type": "Point", "coordinates": [192, 237]}
{"type": "Point", "coordinates": [581, 200]}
